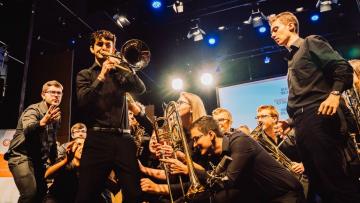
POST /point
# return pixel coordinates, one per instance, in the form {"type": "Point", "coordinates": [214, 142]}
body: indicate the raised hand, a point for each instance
{"type": "Point", "coordinates": [52, 115]}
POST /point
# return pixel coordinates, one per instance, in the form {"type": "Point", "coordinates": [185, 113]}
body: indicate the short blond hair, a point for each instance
{"type": "Point", "coordinates": [50, 83]}
{"type": "Point", "coordinates": [77, 126]}
{"type": "Point", "coordinates": [271, 108]}
{"type": "Point", "coordinates": [285, 18]}
{"type": "Point", "coordinates": [355, 63]}
{"type": "Point", "coordinates": [219, 110]}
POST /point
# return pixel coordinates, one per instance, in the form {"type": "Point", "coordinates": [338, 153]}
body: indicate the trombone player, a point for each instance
{"type": "Point", "coordinates": [109, 146]}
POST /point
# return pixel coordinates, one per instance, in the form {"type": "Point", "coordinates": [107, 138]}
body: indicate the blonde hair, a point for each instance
{"type": "Point", "coordinates": [355, 63]}
{"type": "Point", "coordinates": [222, 110]}
{"type": "Point", "coordinates": [54, 83]}
{"type": "Point", "coordinates": [77, 126]}
{"type": "Point", "coordinates": [197, 105]}
{"type": "Point", "coordinates": [271, 108]}
{"type": "Point", "coordinates": [285, 18]}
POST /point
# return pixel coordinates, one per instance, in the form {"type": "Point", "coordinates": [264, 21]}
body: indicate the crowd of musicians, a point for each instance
{"type": "Point", "coordinates": [186, 155]}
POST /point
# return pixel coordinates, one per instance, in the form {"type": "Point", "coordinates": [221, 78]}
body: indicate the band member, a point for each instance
{"type": "Point", "coordinates": [317, 75]}
{"type": "Point", "coordinates": [190, 107]}
{"type": "Point", "coordinates": [78, 130]}
{"type": "Point", "coordinates": [34, 143]}
{"type": "Point", "coordinates": [251, 171]}
{"type": "Point", "coordinates": [225, 120]}
{"type": "Point", "coordinates": [101, 93]}
{"type": "Point", "coordinates": [268, 116]}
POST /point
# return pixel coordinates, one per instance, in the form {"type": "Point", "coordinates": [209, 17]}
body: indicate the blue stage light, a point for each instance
{"type": "Point", "coordinates": [262, 29]}
{"type": "Point", "coordinates": [267, 60]}
{"type": "Point", "coordinates": [156, 4]}
{"type": "Point", "coordinates": [211, 40]}
{"type": "Point", "coordinates": [315, 17]}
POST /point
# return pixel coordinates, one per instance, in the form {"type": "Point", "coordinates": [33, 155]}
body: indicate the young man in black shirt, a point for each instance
{"type": "Point", "coordinates": [251, 171]}
{"type": "Point", "coordinates": [317, 75]}
{"type": "Point", "coordinates": [101, 95]}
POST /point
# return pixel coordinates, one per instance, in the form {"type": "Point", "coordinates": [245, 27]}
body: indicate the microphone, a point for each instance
{"type": "Point", "coordinates": [221, 167]}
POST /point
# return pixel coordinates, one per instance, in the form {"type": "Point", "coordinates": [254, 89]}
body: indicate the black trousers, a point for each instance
{"type": "Point", "coordinates": [321, 146]}
{"type": "Point", "coordinates": [29, 180]}
{"type": "Point", "coordinates": [102, 153]}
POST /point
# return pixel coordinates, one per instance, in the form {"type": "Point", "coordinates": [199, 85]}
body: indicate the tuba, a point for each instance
{"type": "Point", "coordinates": [259, 135]}
{"type": "Point", "coordinates": [176, 136]}
{"type": "Point", "coordinates": [134, 54]}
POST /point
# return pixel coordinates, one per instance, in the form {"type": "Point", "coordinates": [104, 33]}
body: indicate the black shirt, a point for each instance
{"type": "Point", "coordinates": [104, 102]}
{"type": "Point", "coordinates": [315, 69]}
{"type": "Point", "coordinates": [253, 166]}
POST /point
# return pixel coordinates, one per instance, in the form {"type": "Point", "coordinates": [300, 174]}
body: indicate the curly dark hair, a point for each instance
{"type": "Point", "coordinates": [102, 34]}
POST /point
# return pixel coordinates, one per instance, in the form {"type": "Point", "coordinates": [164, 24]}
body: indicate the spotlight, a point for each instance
{"type": "Point", "coordinates": [121, 20]}
{"type": "Point", "coordinates": [178, 7]}
{"type": "Point", "coordinates": [212, 41]}
{"type": "Point", "coordinates": [196, 33]}
{"type": "Point", "coordinates": [177, 84]}
{"type": "Point", "coordinates": [325, 5]}
{"type": "Point", "coordinates": [267, 60]}
{"type": "Point", "coordinates": [315, 17]}
{"type": "Point", "coordinates": [221, 28]}
{"type": "Point", "coordinates": [206, 79]}
{"type": "Point", "coordinates": [156, 4]}
{"type": "Point", "coordinates": [256, 18]}
{"type": "Point", "coordinates": [262, 29]}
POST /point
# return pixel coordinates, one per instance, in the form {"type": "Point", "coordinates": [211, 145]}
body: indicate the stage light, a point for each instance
{"type": "Point", "coordinates": [325, 5]}
{"type": "Point", "coordinates": [121, 20]}
{"type": "Point", "coordinates": [221, 28]}
{"type": "Point", "coordinates": [262, 29]}
{"type": "Point", "coordinates": [177, 84]}
{"type": "Point", "coordinates": [315, 17]}
{"type": "Point", "coordinates": [256, 18]}
{"type": "Point", "coordinates": [178, 7]}
{"type": "Point", "coordinates": [211, 41]}
{"type": "Point", "coordinates": [196, 33]}
{"type": "Point", "coordinates": [267, 60]}
{"type": "Point", "coordinates": [206, 79]}
{"type": "Point", "coordinates": [156, 4]}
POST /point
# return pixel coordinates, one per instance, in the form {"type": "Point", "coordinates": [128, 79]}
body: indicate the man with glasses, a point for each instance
{"type": "Point", "coordinates": [224, 118]}
{"type": "Point", "coordinates": [78, 130]}
{"type": "Point", "coordinates": [34, 143]}
{"type": "Point", "coordinates": [251, 171]}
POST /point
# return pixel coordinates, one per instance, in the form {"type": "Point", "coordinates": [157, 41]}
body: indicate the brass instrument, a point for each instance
{"type": "Point", "coordinates": [134, 54]}
{"type": "Point", "coordinates": [259, 135]}
{"type": "Point", "coordinates": [176, 136]}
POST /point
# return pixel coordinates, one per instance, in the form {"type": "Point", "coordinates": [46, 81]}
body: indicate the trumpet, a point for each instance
{"type": "Point", "coordinates": [134, 55]}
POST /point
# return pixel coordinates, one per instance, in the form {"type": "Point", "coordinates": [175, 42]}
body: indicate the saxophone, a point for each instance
{"type": "Point", "coordinates": [259, 135]}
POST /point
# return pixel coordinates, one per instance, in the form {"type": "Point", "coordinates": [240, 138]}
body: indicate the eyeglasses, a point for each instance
{"type": "Point", "coordinates": [79, 131]}
{"type": "Point", "coordinates": [196, 139]}
{"type": "Point", "coordinates": [179, 102]}
{"type": "Point", "coordinates": [51, 92]}
{"type": "Point", "coordinates": [222, 120]}
{"type": "Point", "coordinates": [262, 116]}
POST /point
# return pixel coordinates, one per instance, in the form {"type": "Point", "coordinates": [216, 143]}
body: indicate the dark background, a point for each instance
{"type": "Point", "coordinates": [52, 38]}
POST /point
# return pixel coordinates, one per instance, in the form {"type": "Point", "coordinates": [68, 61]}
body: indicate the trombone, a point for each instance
{"type": "Point", "coordinates": [134, 55]}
